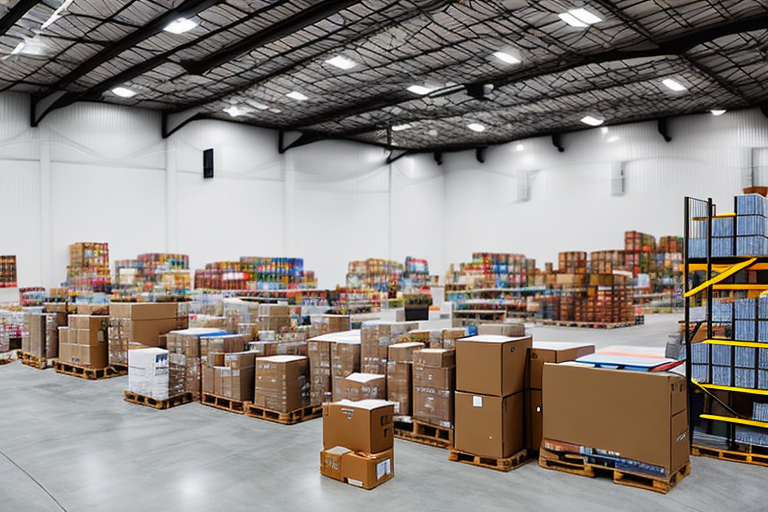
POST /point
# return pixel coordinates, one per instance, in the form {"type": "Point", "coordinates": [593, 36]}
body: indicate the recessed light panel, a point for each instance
{"type": "Point", "coordinates": [181, 25]}
{"type": "Point", "coordinates": [124, 92]}
{"type": "Point", "coordinates": [341, 62]}
{"type": "Point", "coordinates": [296, 95]}
{"type": "Point", "coordinates": [592, 121]}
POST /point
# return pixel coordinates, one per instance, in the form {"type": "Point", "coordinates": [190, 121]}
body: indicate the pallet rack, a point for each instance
{"type": "Point", "coordinates": [719, 278]}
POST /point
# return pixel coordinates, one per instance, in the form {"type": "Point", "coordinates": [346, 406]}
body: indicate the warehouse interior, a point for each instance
{"type": "Point", "coordinates": [337, 135]}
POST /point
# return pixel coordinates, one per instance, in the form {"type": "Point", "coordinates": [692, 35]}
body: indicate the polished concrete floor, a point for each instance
{"type": "Point", "coordinates": [75, 445]}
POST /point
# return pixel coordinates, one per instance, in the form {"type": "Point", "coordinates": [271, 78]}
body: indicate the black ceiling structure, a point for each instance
{"type": "Point", "coordinates": [247, 56]}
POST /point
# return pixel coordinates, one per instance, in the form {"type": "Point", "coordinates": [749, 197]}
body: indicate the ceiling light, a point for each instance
{"type": "Point", "coordinates": [604, 130]}
{"type": "Point", "coordinates": [234, 111]}
{"type": "Point", "coordinates": [124, 92]}
{"type": "Point", "coordinates": [275, 110]}
{"type": "Point", "coordinates": [296, 95]}
{"type": "Point", "coordinates": [592, 121]}
{"type": "Point", "coordinates": [19, 48]}
{"type": "Point", "coordinates": [718, 112]}
{"type": "Point", "coordinates": [519, 147]}
{"type": "Point", "coordinates": [255, 104]}
{"type": "Point", "coordinates": [507, 58]}
{"type": "Point", "coordinates": [400, 127]}
{"type": "Point", "coordinates": [341, 62]}
{"type": "Point", "coordinates": [181, 25]}
{"type": "Point", "coordinates": [433, 133]}
{"type": "Point", "coordinates": [580, 18]}
{"type": "Point", "coordinates": [419, 89]}
{"type": "Point", "coordinates": [56, 14]}
{"type": "Point", "coordinates": [476, 127]}
{"type": "Point", "coordinates": [673, 84]}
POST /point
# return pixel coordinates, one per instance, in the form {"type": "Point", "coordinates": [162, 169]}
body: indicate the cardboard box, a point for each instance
{"type": "Point", "coordinates": [491, 365]}
{"type": "Point", "coordinates": [281, 383]}
{"type": "Point", "coordinates": [345, 360]}
{"type": "Point", "coordinates": [63, 336]}
{"type": "Point", "coordinates": [552, 352]}
{"type": "Point", "coordinates": [375, 338]}
{"type": "Point", "coordinates": [364, 386]}
{"type": "Point", "coordinates": [88, 322]}
{"type": "Point", "coordinates": [403, 352]}
{"type": "Point", "coordinates": [93, 309]}
{"type": "Point", "coordinates": [368, 470]}
{"type": "Point", "coordinates": [68, 353]}
{"type": "Point", "coordinates": [143, 310]}
{"type": "Point", "coordinates": [330, 462]}
{"type": "Point", "coordinates": [640, 416]}
{"type": "Point", "coordinates": [502, 329]}
{"type": "Point", "coordinates": [88, 337]}
{"type": "Point", "coordinates": [534, 419]}
{"type": "Point", "coordinates": [400, 386]}
{"type": "Point", "coordinates": [435, 357]}
{"type": "Point", "coordinates": [432, 405]}
{"type": "Point", "coordinates": [274, 310]}
{"type": "Point", "coordinates": [92, 356]}
{"type": "Point", "coordinates": [490, 426]}
{"type": "Point", "coordinates": [364, 426]}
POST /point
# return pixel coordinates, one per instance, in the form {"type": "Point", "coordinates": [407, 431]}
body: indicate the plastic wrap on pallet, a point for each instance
{"type": "Point", "coordinates": [751, 204]}
{"type": "Point", "coordinates": [722, 247]}
{"type": "Point", "coordinates": [700, 353]}
{"type": "Point", "coordinates": [721, 355]}
{"type": "Point", "coordinates": [762, 331]}
{"type": "Point", "coordinates": [751, 225]}
{"type": "Point", "coordinates": [722, 312]}
{"type": "Point", "coordinates": [721, 376]}
{"type": "Point", "coordinates": [751, 245]}
{"type": "Point", "coordinates": [751, 436]}
{"type": "Point", "coordinates": [762, 358]}
{"type": "Point", "coordinates": [148, 372]}
{"type": "Point", "coordinates": [760, 411]}
{"type": "Point", "coordinates": [700, 373]}
{"type": "Point", "coordinates": [722, 227]}
{"type": "Point", "coordinates": [744, 330]}
{"type": "Point", "coordinates": [744, 378]}
{"type": "Point", "coordinates": [745, 309]}
{"type": "Point", "coordinates": [745, 357]}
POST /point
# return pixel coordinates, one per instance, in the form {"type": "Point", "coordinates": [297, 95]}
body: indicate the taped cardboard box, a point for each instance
{"type": "Point", "coordinates": [88, 322]}
{"type": "Point", "coordinates": [639, 415]}
{"type": "Point", "coordinates": [552, 352]}
{"type": "Point", "coordinates": [93, 309]}
{"type": "Point", "coordinates": [491, 364]}
{"type": "Point", "coordinates": [433, 389]}
{"type": "Point", "coordinates": [281, 383]}
{"type": "Point", "coordinates": [368, 470]}
{"type": "Point", "coordinates": [364, 426]}
{"type": "Point", "coordinates": [490, 426]}
{"type": "Point", "coordinates": [364, 386]}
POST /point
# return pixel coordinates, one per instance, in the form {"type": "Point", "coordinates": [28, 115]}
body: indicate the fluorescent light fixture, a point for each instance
{"type": "Point", "coordinates": [419, 89]}
{"type": "Point", "coordinates": [519, 147]}
{"type": "Point", "coordinates": [673, 84]}
{"type": "Point", "coordinates": [476, 127]}
{"type": "Point", "coordinates": [296, 95]}
{"type": "Point", "coordinates": [507, 58]}
{"type": "Point", "coordinates": [604, 130]}
{"type": "Point", "coordinates": [401, 127]}
{"type": "Point", "coordinates": [580, 18]}
{"type": "Point", "coordinates": [124, 92]}
{"type": "Point", "coordinates": [233, 111]}
{"type": "Point", "coordinates": [592, 121]}
{"type": "Point", "coordinates": [717, 112]}
{"type": "Point", "coordinates": [341, 62]}
{"type": "Point", "coordinates": [180, 25]}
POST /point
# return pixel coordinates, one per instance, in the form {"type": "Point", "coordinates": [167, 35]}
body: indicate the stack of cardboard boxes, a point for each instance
{"type": "Point", "coordinates": [490, 383]}
{"type": "Point", "coordinates": [273, 318]}
{"type": "Point", "coordinates": [185, 361]}
{"type": "Point", "coordinates": [358, 442]}
{"type": "Point", "coordinates": [345, 360]}
{"type": "Point", "coordinates": [364, 386]}
{"type": "Point", "coordinates": [139, 325]}
{"type": "Point", "coordinates": [281, 383]}
{"type": "Point", "coordinates": [229, 375]}
{"type": "Point", "coordinates": [400, 376]}
{"type": "Point", "coordinates": [326, 324]}
{"type": "Point", "coordinates": [85, 341]}
{"type": "Point", "coordinates": [433, 386]}
{"type": "Point", "coordinates": [148, 372]}
{"type": "Point", "coordinates": [319, 353]}
{"type": "Point", "coordinates": [375, 339]}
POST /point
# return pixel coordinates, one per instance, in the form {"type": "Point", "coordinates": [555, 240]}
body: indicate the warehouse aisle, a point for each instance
{"type": "Point", "coordinates": [92, 451]}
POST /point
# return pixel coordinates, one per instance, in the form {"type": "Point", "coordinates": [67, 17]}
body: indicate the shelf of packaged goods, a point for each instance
{"type": "Point", "coordinates": [480, 311]}
{"type": "Point", "coordinates": [763, 392]}
{"type": "Point", "coordinates": [751, 423]}
{"type": "Point", "coordinates": [735, 343]}
{"type": "Point", "coordinates": [721, 276]}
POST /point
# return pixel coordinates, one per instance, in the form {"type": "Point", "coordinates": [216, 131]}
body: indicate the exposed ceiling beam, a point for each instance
{"type": "Point", "coordinates": [672, 46]}
{"type": "Point", "coordinates": [16, 13]}
{"type": "Point", "coordinates": [282, 28]}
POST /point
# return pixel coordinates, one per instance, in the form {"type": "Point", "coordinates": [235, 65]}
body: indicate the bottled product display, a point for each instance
{"type": "Point", "coordinates": [7, 271]}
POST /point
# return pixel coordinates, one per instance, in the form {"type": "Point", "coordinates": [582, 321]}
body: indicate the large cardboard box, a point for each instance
{"type": "Point", "coordinates": [534, 419]}
{"type": "Point", "coordinates": [491, 364]}
{"type": "Point", "coordinates": [88, 322]}
{"type": "Point", "coordinates": [364, 386]}
{"type": "Point", "coordinates": [640, 416]}
{"type": "Point", "coordinates": [490, 426]}
{"type": "Point", "coordinates": [435, 357]}
{"type": "Point", "coordinates": [368, 470]}
{"type": "Point", "coordinates": [502, 329]}
{"type": "Point", "coordinates": [87, 337]}
{"type": "Point", "coordinates": [364, 426]}
{"type": "Point", "coordinates": [281, 383]}
{"type": "Point", "coordinates": [330, 462]}
{"type": "Point", "coordinates": [92, 356]}
{"type": "Point", "coordinates": [403, 352]}
{"type": "Point", "coordinates": [552, 352]}
{"type": "Point", "coordinates": [143, 310]}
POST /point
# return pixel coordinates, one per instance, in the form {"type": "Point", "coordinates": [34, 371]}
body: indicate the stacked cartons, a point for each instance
{"type": "Point", "coordinates": [281, 383]}
{"type": "Point", "coordinates": [430, 338]}
{"type": "Point", "coordinates": [400, 376]}
{"type": "Point", "coordinates": [86, 341]}
{"type": "Point", "coordinates": [490, 383]}
{"type": "Point", "coordinates": [319, 353]}
{"type": "Point", "coordinates": [638, 418]}
{"type": "Point", "coordinates": [274, 317]}
{"type": "Point", "coordinates": [514, 330]}
{"type": "Point", "coordinates": [221, 344]}
{"type": "Point", "coordinates": [138, 325]}
{"type": "Point", "coordinates": [230, 375]}
{"type": "Point", "coordinates": [544, 352]}
{"type": "Point", "coordinates": [358, 442]}
{"type": "Point", "coordinates": [433, 386]}
{"type": "Point", "coordinates": [148, 372]}
{"type": "Point", "coordinates": [185, 362]}
{"type": "Point", "coordinates": [326, 324]}
{"type": "Point", "coordinates": [345, 360]}
{"type": "Point", "coordinates": [375, 339]}
{"type": "Point", "coordinates": [364, 386]}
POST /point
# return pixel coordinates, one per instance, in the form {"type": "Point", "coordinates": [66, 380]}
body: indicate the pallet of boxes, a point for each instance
{"type": "Point", "coordinates": [227, 372]}
{"type": "Point", "coordinates": [40, 335]}
{"type": "Point", "coordinates": [83, 347]}
{"type": "Point", "coordinates": [358, 442]}
{"type": "Point", "coordinates": [139, 325]}
{"type": "Point", "coordinates": [629, 425]}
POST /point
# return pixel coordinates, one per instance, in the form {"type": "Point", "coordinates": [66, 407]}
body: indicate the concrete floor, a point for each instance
{"type": "Point", "coordinates": [92, 451]}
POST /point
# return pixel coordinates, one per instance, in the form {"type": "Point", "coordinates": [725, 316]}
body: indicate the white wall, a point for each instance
{"type": "Point", "coordinates": [94, 172]}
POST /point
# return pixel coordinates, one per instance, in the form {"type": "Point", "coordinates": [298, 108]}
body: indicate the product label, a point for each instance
{"type": "Point", "coordinates": [477, 401]}
{"type": "Point", "coordinates": [383, 468]}
{"type": "Point", "coordinates": [352, 481]}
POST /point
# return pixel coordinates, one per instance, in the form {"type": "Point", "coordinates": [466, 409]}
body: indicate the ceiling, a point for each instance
{"type": "Point", "coordinates": [249, 54]}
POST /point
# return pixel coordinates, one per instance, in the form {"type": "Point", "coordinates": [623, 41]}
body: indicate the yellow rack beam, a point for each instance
{"type": "Point", "coordinates": [718, 267]}
{"type": "Point", "coordinates": [737, 343]}
{"type": "Point", "coordinates": [719, 277]}
{"type": "Point", "coordinates": [740, 287]}
{"type": "Point", "coordinates": [740, 421]}
{"type": "Point", "coordinates": [729, 388]}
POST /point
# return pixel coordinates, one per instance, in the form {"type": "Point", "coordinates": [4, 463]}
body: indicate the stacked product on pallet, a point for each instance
{"type": "Point", "coordinates": [490, 400]}
{"type": "Point", "coordinates": [148, 373]}
{"type": "Point", "coordinates": [281, 384]}
{"type": "Point", "coordinates": [11, 327]}
{"type": "Point", "coordinates": [375, 337]}
{"type": "Point", "coordinates": [358, 442]}
{"type": "Point", "coordinates": [228, 378]}
{"type": "Point", "coordinates": [88, 268]}
{"type": "Point", "coordinates": [8, 271]}
{"type": "Point", "coordinates": [374, 274]}
{"type": "Point", "coordinates": [572, 262]}
{"type": "Point", "coordinates": [434, 371]}
{"type": "Point", "coordinates": [332, 358]}
{"type": "Point", "coordinates": [84, 342]}
{"type": "Point", "coordinates": [185, 364]}
{"type": "Point", "coordinates": [345, 360]}
{"type": "Point", "coordinates": [40, 335]}
{"type": "Point", "coordinates": [139, 325]}
{"type": "Point", "coordinates": [320, 374]}
{"type": "Point", "coordinates": [255, 273]}
{"type": "Point", "coordinates": [156, 273]}
{"type": "Point", "coordinates": [325, 324]}
{"type": "Point", "coordinates": [416, 274]}
{"type": "Point", "coordinates": [400, 377]}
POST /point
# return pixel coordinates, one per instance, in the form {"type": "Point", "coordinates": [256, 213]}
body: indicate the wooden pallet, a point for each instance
{"type": "Point", "coordinates": [223, 403]}
{"type": "Point", "coordinates": [171, 401]}
{"type": "Point", "coordinates": [577, 465]}
{"type": "Point", "coordinates": [759, 459]}
{"type": "Point", "coordinates": [285, 418]}
{"type": "Point", "coordinates": [424, 433]}
{"type": "Point", "coordinates": [86, 373]}
{"type": "Point", "coordinates": [499, 464]}
{"type": "Point", "coordinates": [588, 325]}
{"type": "Point", "coordinates": [120, 368]}
{"type": "Point", "coordinates": [34, 361]}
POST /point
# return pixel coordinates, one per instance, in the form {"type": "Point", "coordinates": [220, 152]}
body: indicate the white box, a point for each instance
{"type": "Point", "coordinates": [148, 372]}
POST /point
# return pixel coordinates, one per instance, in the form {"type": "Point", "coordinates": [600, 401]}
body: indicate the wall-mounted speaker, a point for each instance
{"type": "Point", "coordinates": [208, 163]}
